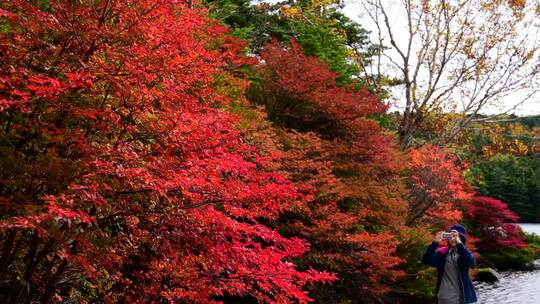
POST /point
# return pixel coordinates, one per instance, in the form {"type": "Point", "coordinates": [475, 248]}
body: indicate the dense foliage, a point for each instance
{"type": "Point", "coordinates": [495, 224]}
{"type": "Point", "coordinates": [502, 154]}
{"type": "Point", "coordinates": [159, 151]}
{"type": "Point", "coordinates": [350, 166]}
{"type": "Point", "coordinates": [505, 158]}
{"type": "Point", "coordinates": [500, 240]}
{"type": "Point", "coordinates": [318, 26]}
{"type": "Point", "coordinates": [512, 179]}
{"type": "Point", "coordinates": [121, 180]}
{"type": "Point", "coordinates": [436, 185]}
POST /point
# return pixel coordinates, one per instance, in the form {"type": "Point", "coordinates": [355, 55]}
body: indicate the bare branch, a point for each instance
{"type": "Point", "coordinates": [457, 55]}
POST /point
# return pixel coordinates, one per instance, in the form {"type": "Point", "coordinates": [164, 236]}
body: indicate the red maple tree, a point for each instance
{"type": "Point", "coordinates": [495, 224]}
{"type": "Point", "coordinates": [349, 169]}
{"type": "Point", "coordinates": [121, 179]}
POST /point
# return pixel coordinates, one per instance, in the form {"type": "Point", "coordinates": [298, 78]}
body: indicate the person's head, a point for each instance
{"type": "Point", "coordinates": [459, 229]}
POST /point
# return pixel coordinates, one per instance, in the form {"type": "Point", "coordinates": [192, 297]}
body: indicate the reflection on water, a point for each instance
{"type": "Point", "coordinates": [519, 287]}
{"type": "Point", "coordinates": [515, 287]}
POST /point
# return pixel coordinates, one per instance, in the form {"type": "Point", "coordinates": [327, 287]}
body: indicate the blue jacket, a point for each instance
{"type": "Point", "coordinates": [436, 257]}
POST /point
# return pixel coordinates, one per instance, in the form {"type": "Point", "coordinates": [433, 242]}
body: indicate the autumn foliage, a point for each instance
{"type": "Point", "coordinates": [436, 186]}
{"type": "Point", "coordinates": [139, 164]}
{"type": "Point", "coordinates": [120, 178]}
{"type": "Point", "coordinates": [348, 168]}
{"type": "Point", "coordinates": [495, 224]}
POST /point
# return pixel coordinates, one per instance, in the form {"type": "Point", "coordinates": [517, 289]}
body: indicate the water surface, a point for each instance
{"type": "Point", "coordinates": [515, 287]}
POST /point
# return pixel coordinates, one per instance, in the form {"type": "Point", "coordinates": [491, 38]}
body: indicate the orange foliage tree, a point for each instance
{"type": "Point", "coordinates": [436, 186]}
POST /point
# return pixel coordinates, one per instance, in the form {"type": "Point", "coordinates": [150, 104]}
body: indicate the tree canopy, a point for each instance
{"type": "Point", "coordinates": [163, 151]}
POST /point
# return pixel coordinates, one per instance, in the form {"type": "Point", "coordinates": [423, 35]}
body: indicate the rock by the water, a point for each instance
{"type": "Point", "coordinates": [487, 275]}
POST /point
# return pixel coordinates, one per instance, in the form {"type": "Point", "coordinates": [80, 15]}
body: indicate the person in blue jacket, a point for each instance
{"type": "Point", "coordinates": [453, 262]}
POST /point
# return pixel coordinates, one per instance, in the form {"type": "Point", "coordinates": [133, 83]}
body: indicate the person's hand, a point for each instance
{"type": "Point", "coordinates": [455, 236]}
{"type": "Point", "coordinates": [438, 237]}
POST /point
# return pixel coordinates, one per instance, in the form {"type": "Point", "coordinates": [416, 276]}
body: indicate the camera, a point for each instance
{"type": "Point", "coordinates": [446, 236]}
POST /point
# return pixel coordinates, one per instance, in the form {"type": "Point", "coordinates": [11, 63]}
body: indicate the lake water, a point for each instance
{"type": "Point", "coordinates": [515, 287]}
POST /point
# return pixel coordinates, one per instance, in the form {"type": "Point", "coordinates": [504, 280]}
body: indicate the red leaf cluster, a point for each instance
{"type": "Point", "coordinates": [349, 170]}
{"type": "Point", "coordinates": [496, 224]}
{"type": "Point", "coordinates": [119, 175]}
{"type": "Point", "coordinates": [306, 78]}
{"type": "Point", "coordinates": [303, 91]}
